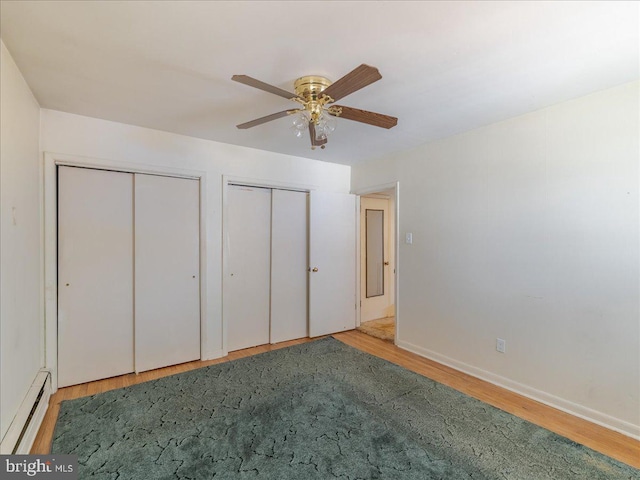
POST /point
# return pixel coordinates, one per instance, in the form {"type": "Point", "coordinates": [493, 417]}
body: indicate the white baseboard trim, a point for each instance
{"type": "Point", "coordinates": [376, 315]}
{"type": "Point", "coordinates": [577, 410]}
{"type": "Point", "coordinates": [26, 423]}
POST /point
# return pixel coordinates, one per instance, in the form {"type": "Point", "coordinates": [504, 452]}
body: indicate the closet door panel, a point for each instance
{"type": "Point", "coordinates": [95, 274]}
{"type": "Point", "coordinates": [332, 258]}
{"type": "Point", "coordinates": [246, 294]}
{"type": "Point", "coordinates": [167, 266]}
{"type": "Point", "coordinates": [289, 263]}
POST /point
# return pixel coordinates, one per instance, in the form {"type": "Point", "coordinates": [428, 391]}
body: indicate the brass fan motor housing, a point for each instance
{"type": "Point", "coordinates": [309, 94]}
{"type": "Point", "coordinates": [311, 86]}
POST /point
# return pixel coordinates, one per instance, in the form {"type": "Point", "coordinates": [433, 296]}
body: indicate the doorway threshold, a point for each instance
{"type": "Point", "coordinates": [383, 328]}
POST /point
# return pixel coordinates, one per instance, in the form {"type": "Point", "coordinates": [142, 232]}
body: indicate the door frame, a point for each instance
{"type": "Point", "coordinates": [248, 182]}
{"type": "Point", "coordinates": [50, 241]}
{"type": "Point", "coordinates": [395, 196]}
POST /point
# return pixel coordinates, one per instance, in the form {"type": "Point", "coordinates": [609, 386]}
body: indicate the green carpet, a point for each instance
{"type": "Point", "coordinates": [319, 410]}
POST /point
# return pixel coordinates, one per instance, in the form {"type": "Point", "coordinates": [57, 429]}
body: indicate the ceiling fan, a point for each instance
{"type": "Point", "coordinates": [316, 96]}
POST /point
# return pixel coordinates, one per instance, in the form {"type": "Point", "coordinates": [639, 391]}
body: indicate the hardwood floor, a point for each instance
{"type": "Point", "coordinates": [606, 441]}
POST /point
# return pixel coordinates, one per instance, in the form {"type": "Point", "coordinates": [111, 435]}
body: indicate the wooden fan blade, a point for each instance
{"type": "Point", "coordinates": [312, 133]}
{"type": "Point", "coordinates": [372, 118]}
{"type": "Point", "coordinates": [261, 120]}
{"type": "Point", "coordinates": [252, 82]}
{"type": "Point", "coordinates": [355, 80]}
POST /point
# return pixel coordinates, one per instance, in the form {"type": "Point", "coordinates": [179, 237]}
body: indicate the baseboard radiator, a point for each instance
{"type": "Point", "coordinates": [25, 425]}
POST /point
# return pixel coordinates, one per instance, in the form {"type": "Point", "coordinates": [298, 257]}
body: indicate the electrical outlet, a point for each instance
{"type": "Point", "coordinates": [501, 345]}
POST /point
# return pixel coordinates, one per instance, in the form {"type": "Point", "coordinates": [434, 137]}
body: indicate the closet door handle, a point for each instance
{"type": "Point", "coordinates": [314, 269]}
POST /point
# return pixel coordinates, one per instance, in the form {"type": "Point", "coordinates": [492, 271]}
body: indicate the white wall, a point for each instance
{"type": "Point", "coordinates": [20, 294]}
{"type": "Point", "coordinates": [80, 136]}
{"type": "Point", "coordinates": [528, 230]}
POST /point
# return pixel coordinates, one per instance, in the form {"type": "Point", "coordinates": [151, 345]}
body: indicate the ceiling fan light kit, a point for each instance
{"type": "Point", "coordinates": [315, 95]}
{"type": "Point", "coordinates": [308, 92]}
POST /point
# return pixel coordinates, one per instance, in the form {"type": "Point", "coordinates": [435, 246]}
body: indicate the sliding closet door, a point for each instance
{"type": "Point", "coordinates": [95, 274]}
{"type": "Point", "coordinates": [247, 273]}
{"type": "Point", "coordinates": [167, 271]}
{"type": "Point", "coordinates": [289, 262]}
{"type": "Point", "coordinates": [332, 259]}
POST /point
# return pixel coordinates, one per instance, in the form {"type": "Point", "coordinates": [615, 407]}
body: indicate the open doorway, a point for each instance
{"type": "Point", "coordinates": [377, 264]}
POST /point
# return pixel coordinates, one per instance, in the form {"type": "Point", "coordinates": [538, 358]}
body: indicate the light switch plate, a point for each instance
{"type": "Point", "coordinates": [408, 238]}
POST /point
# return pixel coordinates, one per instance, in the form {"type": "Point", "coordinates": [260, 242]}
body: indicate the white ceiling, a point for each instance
{"type": "Point", "coordinates": [447, 67]}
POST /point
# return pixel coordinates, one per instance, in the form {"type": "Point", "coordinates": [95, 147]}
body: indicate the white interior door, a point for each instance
{"type": "Point", "coordinates": [247, 273]}
{"type": "Point", "coordinates": [95, 274]}
{"type": "Point", "coordinates": [375, 273]}
{"type": "Point", "coordinates": [332, 260]}
{"type": "Point", "coordinates": [289, 263]}
{"type": "Point", "coordinates": [167, 266]}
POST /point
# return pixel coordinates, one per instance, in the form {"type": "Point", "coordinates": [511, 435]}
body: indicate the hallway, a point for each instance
{"type": "Point", "coordinates": [383, 328]}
